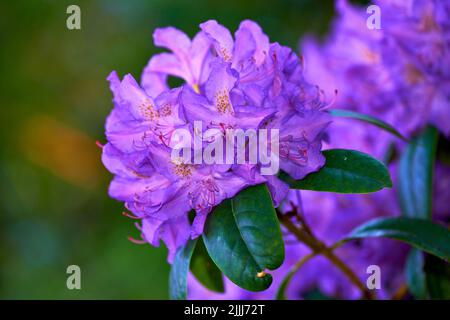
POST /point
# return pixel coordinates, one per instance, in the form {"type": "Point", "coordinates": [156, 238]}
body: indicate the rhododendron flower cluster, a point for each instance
{"type": "Point", "coordinates": [244, 82]}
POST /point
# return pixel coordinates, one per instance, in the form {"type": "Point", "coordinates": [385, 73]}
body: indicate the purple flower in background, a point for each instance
{"type": "Point", "coordinates": [333, 219]}
{"type": "Point", "coordinates": [416, 49]}
{"type": "Point", "coordinates": [399, 73]}
{"type": "Point", "coordinates": [241, 83]}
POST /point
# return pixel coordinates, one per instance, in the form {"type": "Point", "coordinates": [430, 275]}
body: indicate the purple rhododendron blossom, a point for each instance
{"type": "Point", "coordinates": [244, 82]}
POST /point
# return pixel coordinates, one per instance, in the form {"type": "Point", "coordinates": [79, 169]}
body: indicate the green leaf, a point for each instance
{"type": "Point", "coordinates": [416, 175]}
{"type": "Point", "coordinates": [179, 272]}
{"type": "Point", "coordinates": [246, 241]}
{"type": "Point", "coordinates": [258, 225]}
{"type": "Point", "coordinates": [415, 276]}
{"type": "Point", "coordinates": [368, 119]}
{"type": "Point", "coordinates": [422, 234]}
{"type": "Point", "coordinates": [437, 278]}
{"type": "Point", "coordinates": [205, 270]}
{"type": "Point", "coordinates": [229, 252]}
{"type": "Point", "coordinates": [345, 171]}
{"type": "Point", "coordinates": [416, 171]}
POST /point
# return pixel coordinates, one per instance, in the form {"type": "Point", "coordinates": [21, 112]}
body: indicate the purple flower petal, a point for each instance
{"type": "Point", "coordinates": [223, 41]}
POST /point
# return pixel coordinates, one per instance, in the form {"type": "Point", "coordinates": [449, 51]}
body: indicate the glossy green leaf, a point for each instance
{"type": "Point", "coordinates": [416, 175]}
{"type": "Point", "coordinates": [205, 270]}
{"type": "Point", "coordinates": [368, 119]}
{"type": "Point", "coordinates": [422, 234]}
{"type": "Point", "coordinates": [415, 275]}
{"type": "Point", "coordinates": [415, 194]}
{"type": "Point", "coordinates": [258, 225]}
{"type": "Point", "coordinates": [345, 171]}
{"type": "Point", "coordinates": [247, 241]}
{"type": "Point", "coordinates": [179, 271]}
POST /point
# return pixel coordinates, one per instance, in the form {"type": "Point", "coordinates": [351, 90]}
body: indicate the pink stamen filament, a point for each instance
{"type": "Point", "coordinates": [128, 215]}
{"type": "Point", "coordinates": [99, 144]}
{"type": "Point", "coordinates": [136, 241]}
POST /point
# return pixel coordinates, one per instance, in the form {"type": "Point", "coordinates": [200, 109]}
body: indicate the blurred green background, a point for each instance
{"type": "Point", "coordinates": [54, 100]}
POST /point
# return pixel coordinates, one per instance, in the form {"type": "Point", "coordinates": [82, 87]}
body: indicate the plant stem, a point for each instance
{"type": "Point", "coordinates": [318, 247]}
{"type": "Point", "coordinates": [400, 293]}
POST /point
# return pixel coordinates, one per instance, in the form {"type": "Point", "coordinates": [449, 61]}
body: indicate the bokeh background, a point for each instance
{"type": "Point", "coordinates": [54, 208]}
